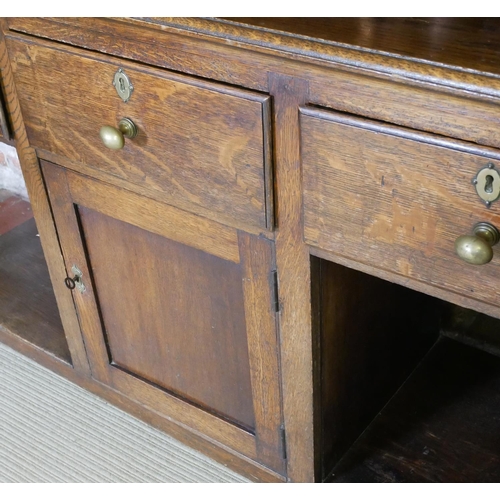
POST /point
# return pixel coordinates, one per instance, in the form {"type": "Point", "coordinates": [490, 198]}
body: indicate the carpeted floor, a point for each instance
{"type": "Point", "coordinates": [53, 431]}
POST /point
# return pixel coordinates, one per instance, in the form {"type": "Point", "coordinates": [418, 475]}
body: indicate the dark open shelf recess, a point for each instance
{"type": "Point", "coordinates": [441, 426]}
{"type": "Point", "coordinates": [410, 383]}
{"type": "Point", "coordinates": [28, 306]}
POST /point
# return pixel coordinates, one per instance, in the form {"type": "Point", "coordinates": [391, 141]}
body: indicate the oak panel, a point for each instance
{"type": "Point", "coordinates": [200, 144]}
{"type": "Point", "coordinates": [156, 217]}
{"type": "Point", "coordinates": [395, 200]}
{"type": "Point", "coordinates": [172, 315]}
{"type": "Point", "coordinates": [174, 327]}
{"type": "Point", "coordinates": [144, 393]}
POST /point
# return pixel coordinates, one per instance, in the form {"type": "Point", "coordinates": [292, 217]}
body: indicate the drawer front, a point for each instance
{"type": "Point", "coordinates": [198, 145]}
{"type": "Point", "coordinates": [396, 200]}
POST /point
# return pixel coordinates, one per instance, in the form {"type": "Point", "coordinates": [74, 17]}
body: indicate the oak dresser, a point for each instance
{"type": "Point", "coordinates": [255, 229]}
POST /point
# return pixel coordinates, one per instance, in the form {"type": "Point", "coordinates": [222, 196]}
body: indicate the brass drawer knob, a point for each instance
{"type": "Point", "coordinates": [114, 138]}
{"type": "Point", "coordinates": [476, 248]}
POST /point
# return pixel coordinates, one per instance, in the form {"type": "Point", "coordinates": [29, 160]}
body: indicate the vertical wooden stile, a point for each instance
{"type": "Point", "coordinates": [293, 266]}
{"type": "Point", "coordinates": [43, 214]}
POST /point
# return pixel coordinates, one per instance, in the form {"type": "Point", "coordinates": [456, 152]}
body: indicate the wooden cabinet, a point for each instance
{"type": "Point", "coordinates": [259, 269]}
{"type": "Point", "coordinates": [177, 311]}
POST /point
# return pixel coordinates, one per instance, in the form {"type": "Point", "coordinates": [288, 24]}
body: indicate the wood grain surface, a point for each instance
{"type": "Point", "coordinates": [173, 315]}
{"type": "Point", "coordinates": [348, 78]}
{"type": "Point", "coordinates": [144, 393]}
{"type": "Point", "coordinates": [159, 218]}
{"type": "Point", "coordinates": [472, 43]}
{"type": "Point", "coordinates": [296, 344]}
{"type": "Point", "coordinates": [217, 105]}
{"type": "Point", "coordinates": [420, 47]}
{"type": "Point", "coordinates": [260, 302]}
{"type": "Point", "coordinates": [178, 329]}
{"type": "Point", "coordinates": [466, 116]}
{"type": "Point", "coordinates": [365, 57]}
{"type": "Point", "coordinates": [199, 144]}
{"type": "Point", "coordinates": [396, 201]}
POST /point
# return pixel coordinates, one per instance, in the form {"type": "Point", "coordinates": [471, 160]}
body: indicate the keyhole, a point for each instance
{"type": "Point", "coordinates": [488, 185]}
{"type": "Point", "coordinates": [122, 84]}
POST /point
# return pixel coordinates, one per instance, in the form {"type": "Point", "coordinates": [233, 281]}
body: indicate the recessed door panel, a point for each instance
{"type": "Point", "coordinates": [178, 312]}
{"type": "Point", "coordinates": [173, 315]}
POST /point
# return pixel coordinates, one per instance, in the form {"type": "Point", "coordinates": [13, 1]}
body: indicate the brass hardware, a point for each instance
{"type": "Point", "coordinates": [476, 247]}
{"type": "Point", "coordinates": [113, 138]}
{"type": "Point", "coordinates": [76, 281]}
{"type": "Point", "coordinates": [122, 84]}
{"type": "Point", "coordinates": [487, 183]}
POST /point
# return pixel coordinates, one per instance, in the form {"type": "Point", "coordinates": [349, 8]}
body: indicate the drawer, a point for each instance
{"type": "Point", "coordinates": [396, 200]}
{"type": "Point", "coordinates": [200, 145]}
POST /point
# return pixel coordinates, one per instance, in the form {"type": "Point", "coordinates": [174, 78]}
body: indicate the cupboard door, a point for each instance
{"type": "Point", "coordinates": [177, 312]}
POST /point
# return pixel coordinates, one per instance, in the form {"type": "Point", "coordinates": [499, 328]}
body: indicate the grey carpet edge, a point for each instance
{"type": "Point", "coordinates": [52, 430]}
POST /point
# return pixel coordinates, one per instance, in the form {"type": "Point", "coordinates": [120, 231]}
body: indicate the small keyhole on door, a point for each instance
{"type": "Point", "coordinates": [488, 185]}
{"type": "Point", "coordinates": [122, 84]}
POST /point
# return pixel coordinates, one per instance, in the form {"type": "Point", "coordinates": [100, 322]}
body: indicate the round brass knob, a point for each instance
{"type": "Point", "coordinates": [476, 247]}
{"type": "Point", "coordinates": [114, 138]}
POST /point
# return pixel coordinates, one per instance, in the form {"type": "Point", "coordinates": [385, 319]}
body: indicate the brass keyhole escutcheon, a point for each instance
{"type": "Point", "coordinates": [123, 85]}
{"type": "Point", "coordinates": [487, 183]}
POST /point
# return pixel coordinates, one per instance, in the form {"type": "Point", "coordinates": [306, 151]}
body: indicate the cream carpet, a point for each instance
{"type": "Point", "coordinates": [53, 431]}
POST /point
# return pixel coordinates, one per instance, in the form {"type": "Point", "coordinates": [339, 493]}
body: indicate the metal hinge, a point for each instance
{"type": "Point", "coordinates": [275, 291]}
{"type": "Point", "coordinates": [283, 441]}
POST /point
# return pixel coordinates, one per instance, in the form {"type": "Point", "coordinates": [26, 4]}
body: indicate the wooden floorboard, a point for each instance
{"type": "Point", "coordinates": [443, 425]}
